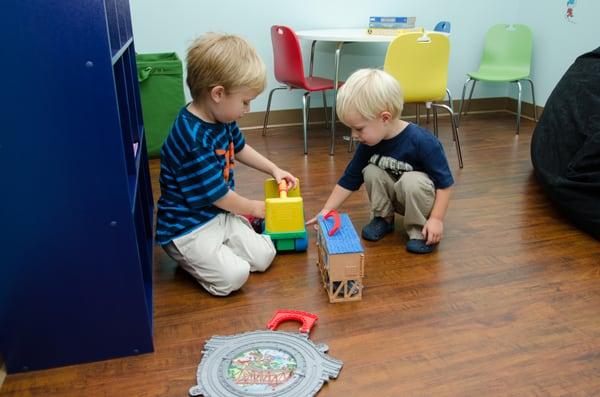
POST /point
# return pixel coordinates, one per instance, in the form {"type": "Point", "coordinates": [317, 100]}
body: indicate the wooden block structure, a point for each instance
{"type": "Point", "coordinates": [341, 260]}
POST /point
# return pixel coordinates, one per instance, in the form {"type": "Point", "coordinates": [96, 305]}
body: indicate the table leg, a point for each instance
{"type": "Point", "coordinates": [312, 57]}
{"type": "Point", "coordinates": [336, 80]}
{"type": "Point", "coordinates": [310, 74]}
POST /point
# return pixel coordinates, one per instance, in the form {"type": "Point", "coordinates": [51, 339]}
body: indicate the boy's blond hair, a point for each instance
{"type": "Point", "coordinates": [226, 60]}
{"type": "Point", "coordinates": [370, 92]}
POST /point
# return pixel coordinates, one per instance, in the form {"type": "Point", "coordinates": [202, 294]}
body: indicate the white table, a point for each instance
{"type": "Point", "coordinates": [340, 37]}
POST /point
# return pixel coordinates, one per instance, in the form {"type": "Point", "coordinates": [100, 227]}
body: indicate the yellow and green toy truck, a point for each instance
{"type": "Point", "coordinates": [284, 216]}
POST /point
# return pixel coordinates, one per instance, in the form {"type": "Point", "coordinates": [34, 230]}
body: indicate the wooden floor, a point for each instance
{"type": "Point", "coordinates": [508, 305]}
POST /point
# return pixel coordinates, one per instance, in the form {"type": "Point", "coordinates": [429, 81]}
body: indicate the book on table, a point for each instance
{"type": "Point", "coordinates": [390, 32]}
{"type": "Point", "coordinates": [392, 19]}
{"type": "Point", "coordinates": [392, 22]}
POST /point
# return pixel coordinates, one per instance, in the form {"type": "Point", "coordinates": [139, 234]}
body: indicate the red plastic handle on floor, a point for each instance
{"type": "Point", "coordinates": [307, 319]}
{"type": "Point", "coordinates": [336, 221]}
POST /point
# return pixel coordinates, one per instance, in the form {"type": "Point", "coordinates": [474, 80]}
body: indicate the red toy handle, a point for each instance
{"type": "Point", "coordinates": [336, 221]}
{"type": "Point", "coordinates": [307, 319]}
{"type": "Point", "coordinates": [282, 186]}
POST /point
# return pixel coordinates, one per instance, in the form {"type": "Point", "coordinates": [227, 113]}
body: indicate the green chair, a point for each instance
{"type": "Point", "coordinates": [506, 58]}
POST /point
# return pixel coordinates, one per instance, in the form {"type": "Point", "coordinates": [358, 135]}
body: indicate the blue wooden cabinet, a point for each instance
{"type": "Point", "coordinates": [76, 208]}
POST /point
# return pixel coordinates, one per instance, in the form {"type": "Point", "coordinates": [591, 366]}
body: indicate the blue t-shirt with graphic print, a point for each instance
{"type": "Point", "coordinates": [196, 169]}
{"type": "Point", "coordinates": [414, 145]}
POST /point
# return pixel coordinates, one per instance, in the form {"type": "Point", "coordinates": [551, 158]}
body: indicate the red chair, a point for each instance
{"type": "Point", "coordinates": [289, 71]}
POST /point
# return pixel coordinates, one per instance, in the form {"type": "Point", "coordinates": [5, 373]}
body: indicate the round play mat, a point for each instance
{"type": "Point", "coordinates": [266, 362]}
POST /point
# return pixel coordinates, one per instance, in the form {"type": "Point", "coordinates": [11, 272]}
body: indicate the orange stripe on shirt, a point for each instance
{"type": "Point", "coordinates": [229, 163]}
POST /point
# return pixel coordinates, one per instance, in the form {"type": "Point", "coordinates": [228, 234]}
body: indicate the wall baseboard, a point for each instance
{"type": "Point", "coordinates": [293, 117]}
{"type": "Point", "coordinates": [526, 109]}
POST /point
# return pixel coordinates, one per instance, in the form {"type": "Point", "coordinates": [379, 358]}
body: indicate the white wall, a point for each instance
{"type": "Point", "coordinates": [557, 41]}
{"type": "Point", "coordinates": [161, 26]}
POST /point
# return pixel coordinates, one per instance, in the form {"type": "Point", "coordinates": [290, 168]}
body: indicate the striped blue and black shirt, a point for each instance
{"type": "Point", "coordinates": [196, 169]}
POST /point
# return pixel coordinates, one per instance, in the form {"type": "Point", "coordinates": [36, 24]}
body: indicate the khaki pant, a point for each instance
{"type": "Point", "coordinates": [412, 195]}
{"type": "Point", "coordinates": [221, 254]}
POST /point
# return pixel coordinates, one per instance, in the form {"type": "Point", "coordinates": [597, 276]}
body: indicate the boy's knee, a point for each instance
{"type": "Point", "coordinates": [264, 257]}
{"type": "Point", "coordinates": [411, 183]}
{"type": "Point", "coordinates": [232, 278]}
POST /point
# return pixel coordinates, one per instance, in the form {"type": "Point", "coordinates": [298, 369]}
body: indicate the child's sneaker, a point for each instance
{"type": "Point", "coordinates": [377, 229]}
{"type": "Point", "coordinates": [419, 247]}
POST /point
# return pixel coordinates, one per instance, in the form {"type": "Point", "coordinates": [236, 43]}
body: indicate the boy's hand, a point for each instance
{"type": "Point", "coordinates": [432, 231]}
{"type": "Point", "coordinates": [280, 174]}
{"type": "Point", "coordinates": [257, 209]}
{"type": "Point", "coordinates": [313, 221]}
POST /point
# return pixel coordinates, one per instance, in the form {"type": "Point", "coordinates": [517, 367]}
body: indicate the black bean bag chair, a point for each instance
{"type": "Point", "coordinates": [565, 147]}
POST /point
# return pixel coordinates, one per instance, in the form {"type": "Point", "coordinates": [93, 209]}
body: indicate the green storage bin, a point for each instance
{"type": "Point", "coordinates": [161, 89]}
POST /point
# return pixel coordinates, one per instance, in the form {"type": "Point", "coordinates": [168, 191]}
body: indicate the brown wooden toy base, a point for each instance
{"type": "Point", "coordinates": [342, 279]}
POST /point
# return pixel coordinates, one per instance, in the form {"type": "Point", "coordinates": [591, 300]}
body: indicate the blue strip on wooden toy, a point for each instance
{"type": "Point", "coordinates": [345, 241]}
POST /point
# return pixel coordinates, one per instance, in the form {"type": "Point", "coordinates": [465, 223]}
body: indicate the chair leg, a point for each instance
{"type": "Point", "coordinates": [535, 117]}
{"type": "Point", "coordinates": [336, 80]}
{"type": "Point", "coordinates": [427, 107]}
{"type": "Point", "coordinates": [325, 109]}
{"type": "Point", "coordinates": [307, 111]}
{"type": "Point", "coordinates": [450, 101]}
{"type": "Point", "coordinates": [454, 130]}
{"type": "Point", "coordinates": [264, 132]}
{"type": "Point", "coordinates": [418, 116]}
{"type": "Point", "coordinates": [462, 99]}
{"type": "Point", "coordinates": [435, 121]}
{"type": "Point", "coordinates": [305, 101]}
{"type": "Point", "coordinates": [450, 105]}
{"type": "Point", "coordinates": [520, 91]}
{"type": "Point", "coordinates": [470, 97]}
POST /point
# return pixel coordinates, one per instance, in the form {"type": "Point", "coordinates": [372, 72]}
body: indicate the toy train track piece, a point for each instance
{"type": "Point", "coordinates": [266, 363]}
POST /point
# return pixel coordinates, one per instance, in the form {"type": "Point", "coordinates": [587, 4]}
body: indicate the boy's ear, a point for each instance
{"type": "Point", "coordinates": [385, 116]}
{"type": "Point", "coordinates": [217, 93]}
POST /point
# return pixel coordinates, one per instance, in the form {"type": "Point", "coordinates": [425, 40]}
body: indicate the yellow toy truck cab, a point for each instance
{"type": "Point", "coordinates": [284, 216]}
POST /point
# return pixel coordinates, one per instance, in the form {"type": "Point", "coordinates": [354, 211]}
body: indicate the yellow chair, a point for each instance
{"type": "Point", "coordinates": [419, 61]}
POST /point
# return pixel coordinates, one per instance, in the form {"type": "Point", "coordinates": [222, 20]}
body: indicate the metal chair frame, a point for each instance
{"type": "Point", "coordinates": [295, 78]}
{"type": "Point", "coordinates": [506, 59]}
{"type": "Point", "coordinates": [442, 51]}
